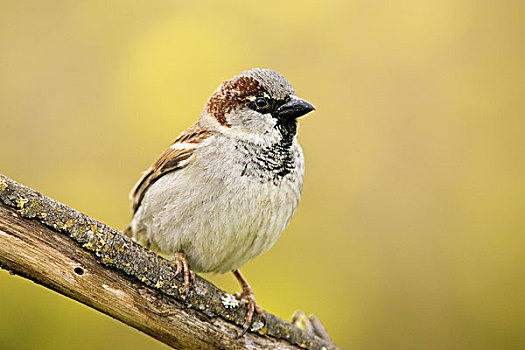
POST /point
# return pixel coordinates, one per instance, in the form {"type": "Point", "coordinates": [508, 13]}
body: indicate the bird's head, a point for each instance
{"type": "Point", "coordinates": [257, 106]}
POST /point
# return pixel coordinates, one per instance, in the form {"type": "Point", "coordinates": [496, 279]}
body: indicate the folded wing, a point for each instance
{"type": "Point", "coordinates": [177, 156]}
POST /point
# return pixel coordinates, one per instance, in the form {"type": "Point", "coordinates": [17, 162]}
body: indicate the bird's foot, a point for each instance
{"type": "Point", "coordinates": [247, 298]}
{"type": "Point", "coordinates": [180, 260]}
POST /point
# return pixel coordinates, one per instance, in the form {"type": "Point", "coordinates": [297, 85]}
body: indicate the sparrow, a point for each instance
{"type": "Point", "coordinates": [228, 186]}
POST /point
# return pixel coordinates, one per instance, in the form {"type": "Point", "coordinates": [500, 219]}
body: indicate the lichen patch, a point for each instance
{"type": "Point", "coordinates": [229, 301]}
{"type": "Point", "coordinates": [257, 325]}
{"type": "Point", "coordinates": [20, 202]}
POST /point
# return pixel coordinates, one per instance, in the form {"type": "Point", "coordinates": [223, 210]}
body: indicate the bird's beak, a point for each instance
{"type": "Point", "coordinates": [294, 108]}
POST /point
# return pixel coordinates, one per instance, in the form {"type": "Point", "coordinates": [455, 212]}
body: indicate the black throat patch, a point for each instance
{"type": "Point", "coordinates": [272, 163]}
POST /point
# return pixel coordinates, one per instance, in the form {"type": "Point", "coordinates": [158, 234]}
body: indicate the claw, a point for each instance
{"type": "Point", "coordinates": [182, 266]}
{"type": "Point", "coordinates": [248, 298]}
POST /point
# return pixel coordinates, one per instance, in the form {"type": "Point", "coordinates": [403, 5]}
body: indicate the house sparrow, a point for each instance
{"type": "Point", "coordinates": [228, 186]}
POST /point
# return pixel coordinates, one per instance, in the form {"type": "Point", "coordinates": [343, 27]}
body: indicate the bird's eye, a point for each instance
{"type": "Point", "coordinates": [261, 102]}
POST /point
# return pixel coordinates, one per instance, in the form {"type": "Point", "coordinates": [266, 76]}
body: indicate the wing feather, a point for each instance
{"type": "Point", "coordinates": [177, 156]}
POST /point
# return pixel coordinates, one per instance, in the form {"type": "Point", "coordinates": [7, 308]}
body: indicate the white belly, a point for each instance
{"type": "Point", "coordinates": [217, 217]}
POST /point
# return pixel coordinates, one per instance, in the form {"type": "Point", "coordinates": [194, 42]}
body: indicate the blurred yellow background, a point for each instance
{"type": "Point", "coordinates": [410, 233]}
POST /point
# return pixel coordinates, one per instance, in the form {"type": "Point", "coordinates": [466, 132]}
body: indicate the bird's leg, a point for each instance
{"type": "Point", "coordinates": [247, 297]}
{"type": "Point", "coordinates": [181, 261]}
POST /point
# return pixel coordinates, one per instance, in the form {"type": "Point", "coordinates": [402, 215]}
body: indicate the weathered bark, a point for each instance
{"type": "Point", "coordinates": [75, 255]}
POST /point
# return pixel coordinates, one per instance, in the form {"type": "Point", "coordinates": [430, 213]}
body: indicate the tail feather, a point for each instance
{"type": "Point", "coordinates": [128, 232]}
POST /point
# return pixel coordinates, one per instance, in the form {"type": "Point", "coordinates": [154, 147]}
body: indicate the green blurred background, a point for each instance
{"type": "Point", "coordinates": [410, 233]}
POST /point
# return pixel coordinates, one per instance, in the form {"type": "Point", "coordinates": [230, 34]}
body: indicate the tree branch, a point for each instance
{"type": "Point", "coordinates": [77, 256]}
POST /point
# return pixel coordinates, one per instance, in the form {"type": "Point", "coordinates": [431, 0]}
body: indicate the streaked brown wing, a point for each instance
{"type": "Point", "coordinates": [175, 157]}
